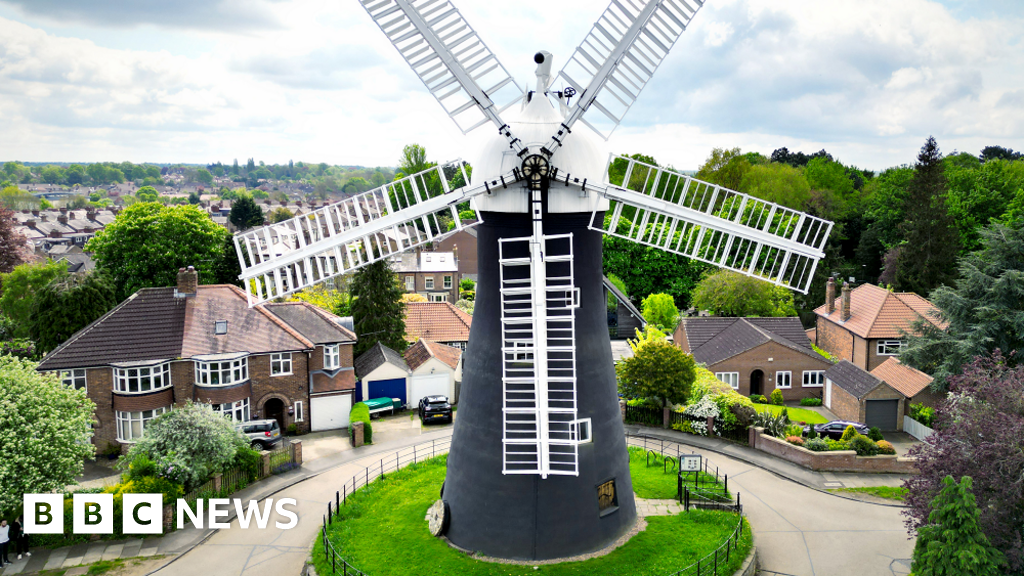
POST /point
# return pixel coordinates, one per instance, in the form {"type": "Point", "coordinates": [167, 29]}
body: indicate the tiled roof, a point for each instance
{"type": "Point", "coordinates": [852, 378]}
{"type": "Point", "coordinates": [424, 350]}
{"type": "Point", "coordinates": [253, 330]}
{"type": "Point", "coordinates": [147, 326]}
{"type": "Point", "coordinates": [319, 326]}
{"type": "Point", "coordinates": [713, 340]}
{"type": "Point", "coordinates": [437, 321]}
{"type": "Point", "coordinates": [909, 381]}
{"type": "Point", "coordinates": [344, 379]}
{"type": "Point", "coordinates": [376, 357]}
{"type": "Point", "coordinates": [877, 313]}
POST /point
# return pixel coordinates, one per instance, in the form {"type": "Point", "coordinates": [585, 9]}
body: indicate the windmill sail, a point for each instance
{"type": "Point", "coordinates": [539, 357]}
{"type": "Point", "coordinates": [283, 258]}
{"type": "Point", "coordinates": [456, 66]}
{"type": "Point", "coordinates": [679, 214]}
{"type": "Point", "coordinates": [619, 56]}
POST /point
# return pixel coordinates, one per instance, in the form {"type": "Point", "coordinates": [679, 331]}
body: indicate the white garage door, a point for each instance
{"type": "Point", "coordinates": [329, 412]}
{"type": "Point", "coordinates": [429, 385]}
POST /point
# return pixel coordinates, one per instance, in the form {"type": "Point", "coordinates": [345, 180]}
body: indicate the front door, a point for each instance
{"type": "Point", "coordinates": [756, 382]}
{"type": "Point", "coordinates": [274, 410]}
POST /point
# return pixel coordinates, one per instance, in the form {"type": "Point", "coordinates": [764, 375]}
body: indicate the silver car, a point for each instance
{"type": "Point", "coordinates": [263, 434]}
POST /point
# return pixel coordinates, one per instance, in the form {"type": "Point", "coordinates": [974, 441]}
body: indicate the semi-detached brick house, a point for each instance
{"type": "Point", "coordinates": [866, 325]}
{"type": "Point", "coordinates": [756, 355]}
{"type": "Point", "coordinates": [163, 347]}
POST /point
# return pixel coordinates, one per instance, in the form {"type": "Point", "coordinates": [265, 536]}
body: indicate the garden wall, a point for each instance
{"type": "Point", "coordinates": [838, 461]}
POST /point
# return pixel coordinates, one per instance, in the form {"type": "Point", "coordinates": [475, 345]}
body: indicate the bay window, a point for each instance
{"type": "Point", "coordinates": [142, 379]}
{"type": "Point", "coordinates": [237, 411]}
{"type": "Point", "coordinates": [224, 373]}
{"type": "Point", "coordinates": [131, 425]}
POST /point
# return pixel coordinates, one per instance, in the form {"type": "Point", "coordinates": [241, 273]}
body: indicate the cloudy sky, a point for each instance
{"type": "Point", "coordinates": [315, 80]}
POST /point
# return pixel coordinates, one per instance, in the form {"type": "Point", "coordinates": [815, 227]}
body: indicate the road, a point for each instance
{"type": "Point", "coordinates": [798, 531]}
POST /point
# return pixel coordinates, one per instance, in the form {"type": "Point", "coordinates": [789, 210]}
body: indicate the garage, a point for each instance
{"type": "Point", "coordinates": [394, 388]}
{"type": "Point", "coordinates": [881, 414]}
{"type": "Point", "coordinates": [329, 412]}
{"type": "Point", "coordinates": [429, 385]}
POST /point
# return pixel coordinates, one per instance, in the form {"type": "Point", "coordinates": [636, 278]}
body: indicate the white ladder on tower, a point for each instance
{"type": "Point", "coordinates": [539, 377]}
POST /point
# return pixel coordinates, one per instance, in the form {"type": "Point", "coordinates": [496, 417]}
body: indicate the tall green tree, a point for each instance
{"type": "Point", "coordinates": [730, 294]}
{"type": "Point", "coordinates": [657, 369]}
{"type": "Point", "coordinates": [45, 428]}
{"type": "Point", "coordinates": [952, 543]}
{"type": "Point", "coordinates": [12, 244]}
{"type": "Point", "coordinates": [413, 160]}
{"type": "Point", "coordinates": [984, 309]}
{"type": "Point", "coordinates": [66, 305]}
{"type": "Point", "coordinates": [21, 287]}
{"type": "Point", "coordinates": [725, 168]}
{"type": "Point", "coordinates": [377, 308]}
{"type": "Point", "coordinates": [660, 310]}
{"type": "Point", "coordinates": [779, 183]}
{"type": "Point", "coordinates": [147, 243]}
{"type": "Point", "coordinates": [932, 240]}
{"type": "Point", "coordinates": [246, 213]}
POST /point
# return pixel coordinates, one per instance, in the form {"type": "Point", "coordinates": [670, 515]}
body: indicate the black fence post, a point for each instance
{"type": "Point", "coordinates": [344, 490]}
{"type": "Point", "coordinates": [716, 561]}
{"type": "Point", "coordinates": [328, 510]}
{"type": "Point", "coordinates": [726, 483]}
{"type": "Point", "coordinates": [337, 500]}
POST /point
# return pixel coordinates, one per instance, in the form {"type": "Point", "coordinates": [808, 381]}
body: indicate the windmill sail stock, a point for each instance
{"type": "Point", "coordinates": [658, 207]}
{"type": "Point", "coordinates": [284, 258]}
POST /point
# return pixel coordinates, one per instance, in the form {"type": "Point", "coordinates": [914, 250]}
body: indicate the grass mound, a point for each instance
{"type": "Point", "coordinates": [382, 532]}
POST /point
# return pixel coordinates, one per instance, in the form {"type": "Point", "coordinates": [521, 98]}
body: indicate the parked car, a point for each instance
{"type": "Point", "coordinates": [835, 428]}
{"type": "Point", "coordinates": [433, 408]}
{"type": "Point", "coordinates": [262, 434]}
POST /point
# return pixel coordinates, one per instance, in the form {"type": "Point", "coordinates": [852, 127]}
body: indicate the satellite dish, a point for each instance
{"type": "Point", "coordinates": [538, 467]}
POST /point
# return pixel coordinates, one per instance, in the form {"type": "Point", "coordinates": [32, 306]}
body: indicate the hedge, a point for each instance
{"type": "Point", "coordinates": [360, 413]}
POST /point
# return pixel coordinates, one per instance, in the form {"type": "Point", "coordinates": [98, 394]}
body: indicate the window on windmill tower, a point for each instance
{"type": "Point", "coordinates": [607, 499]}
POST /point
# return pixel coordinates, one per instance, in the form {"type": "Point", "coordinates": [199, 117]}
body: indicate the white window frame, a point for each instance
{"type": "Point", "coordinates": [447, 282]}
{"type": "Point", "coordinates": [332, 356]}
{"type": "Point", "coordinates": [730, 378]}
{"type": "Point", "coordinates": [74, 378]}
{"type": "Point", "coordinates": [786, 375]}
{"type": "Point", "coordinates": [144, 379]}
{"type": "Point", "coordinates": [581, 431]}
{"type": "Point", "coordinates": [236, 411]}
{"type": "Point", "coordinates": [810, 373]}
{"type": "Point", "coordinates": [428, 283]}
{"type": "Point", "coordinates": [410, 283]}
{"type": "Point", "coordinates": [225, 372]}
{"type": "Point", "coordinates": [282, 359]}
{"type": "Point", "coordinates": [299, 414]}
{"type": "Point", "coordinates": [883, 345]}
{"type": "Point", "coordinates": [132, 418]}
{"type": "Point", "coordinates": [438, 298]}
{"type": "Point", "coordinates": [459, 345]}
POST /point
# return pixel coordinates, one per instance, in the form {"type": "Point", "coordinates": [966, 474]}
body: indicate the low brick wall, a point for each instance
{"type": "Point", "coordinates": [837, 461]}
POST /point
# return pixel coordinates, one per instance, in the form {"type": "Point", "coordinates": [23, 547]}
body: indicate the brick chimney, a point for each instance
{"type": "Point", "coordinates": [830, 296]}
{"type": "Point", "coordinates": [844, 313]}
{"type": "Point", "coordinates": [188, 282]}
{"type": "Point", "coordinates": [31, 224]}
{"type": "Point", "coordinates": [63, 219]}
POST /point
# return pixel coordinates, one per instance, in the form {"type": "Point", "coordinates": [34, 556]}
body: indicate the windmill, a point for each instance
{"type": "Point", "coordinates": [538, 467]}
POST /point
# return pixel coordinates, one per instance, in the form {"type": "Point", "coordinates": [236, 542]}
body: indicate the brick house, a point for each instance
{"type": "Point", "coordinates": [439, 322]}
{"type": "Point", "coordinates": [851, 393]}
{"type": "Point", "coordinates": [756, 355]}
{"type": "Point", "coordinates": [462, 245]}
{"type": "Point", "coordinates": [867, 325]}
{"type": "Point", "coordinates": [162, 347]}
{"type": "Point", "coordinates": [433, 275]}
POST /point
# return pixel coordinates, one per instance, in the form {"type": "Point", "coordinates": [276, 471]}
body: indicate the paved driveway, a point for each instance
{"type": "Point", "coordinates": [799, 531]}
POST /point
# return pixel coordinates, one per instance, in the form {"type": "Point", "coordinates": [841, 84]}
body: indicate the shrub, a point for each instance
{"type": "Point", "coordinates": [773, 424]}
{"type": "Point", "coordinates": [795, 430]}
{"type": "Point", "coordinates": [292, 429]}
{"type": "Point", "coordinates": [361, 413]}
{"type": "Point", "coordinates": [816, 445]}
{"type": "Point", "coordinates": [248, 460]}
{"type": "Point", "coordinates": [140, 467]}
{"type": "Point", "coordinates": [834, 445]}
{"type": "Point", "coordinates": [864, 446]}
{"type": "Point", "coordinates": [887, 448]}
{"type": "Point", "coordinates": [744, 414]}
{"type": "Point", "coordinates": [644, 402]}
{"type": "Point", "coordinates": [875, 434]}
{"type": "Point", "coordinates": [683, 427]}
{"type": "Point", "coordinates": [758, 399]}
{"type": "Point", "coordinates": [736, 410]}
{"type": "Point", "coordinates": [795, 440]}
{"type": "Point", "coordinates": [922, 414]}
{"type": "Point", "coordinates": [848, 434]}
{"type": "Point", "coordinates": [810, 401]}
{"type": "Point", "coordinates": [702, 409]}
{"type": "Point", "coordinates": [777, 398]}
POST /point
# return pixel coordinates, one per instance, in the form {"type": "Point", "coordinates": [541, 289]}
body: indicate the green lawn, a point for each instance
{"type": "Point", "coordinates": [381, 531]}
{"type": "Point", "coordinates": [887, 492]}
{"type": "Point", "coordinates": [795, 414]}
{"type": "Point", "coordinates": [653, 481]}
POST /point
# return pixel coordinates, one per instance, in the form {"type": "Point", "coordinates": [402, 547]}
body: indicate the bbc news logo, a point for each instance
{"type": "Point", "coordinates": [143, 513]}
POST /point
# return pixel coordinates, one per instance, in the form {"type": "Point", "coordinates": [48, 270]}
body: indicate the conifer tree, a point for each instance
{"type": "Point", "coordinates": [378, 311]}
{"type": "Point", "coordinates": [952, 543]}
{"type": "Point", "coordinates": [932, 241]}
{"type": "Point", "coordinates": [66, 305]}
{"type": "Point", "coordinates": [245, 213]}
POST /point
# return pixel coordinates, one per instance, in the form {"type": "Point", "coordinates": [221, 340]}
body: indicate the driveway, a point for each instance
{"type": "Point", "coordinates": [799, 531]}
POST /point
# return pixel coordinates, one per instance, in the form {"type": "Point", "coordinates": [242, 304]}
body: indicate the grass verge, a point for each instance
{"type": "Point", "coordinates": [381, 531]}
{"type": "Point", "coordinates": [795, 414]}
{"type": "Point", "coordinates": [653, 482]}
{"type": "Point", "coordinates": [887, 492]}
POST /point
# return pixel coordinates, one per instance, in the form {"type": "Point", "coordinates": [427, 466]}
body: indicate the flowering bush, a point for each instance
{"type": "Point", "coordinates": [884, 447]}
{"type": "Point", "coordinates": [795, 440]}
{"type": "Point", "coordinates": [703, 408]}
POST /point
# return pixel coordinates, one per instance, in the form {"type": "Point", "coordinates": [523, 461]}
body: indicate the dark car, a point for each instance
{"type": "Point", "coordinates": [835, 428]}
{"type": "Point", "coordinates": [435, 409]}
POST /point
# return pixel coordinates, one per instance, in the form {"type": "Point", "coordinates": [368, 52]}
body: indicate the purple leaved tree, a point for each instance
{"type": "Point", "coordinates": [979, 432]}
